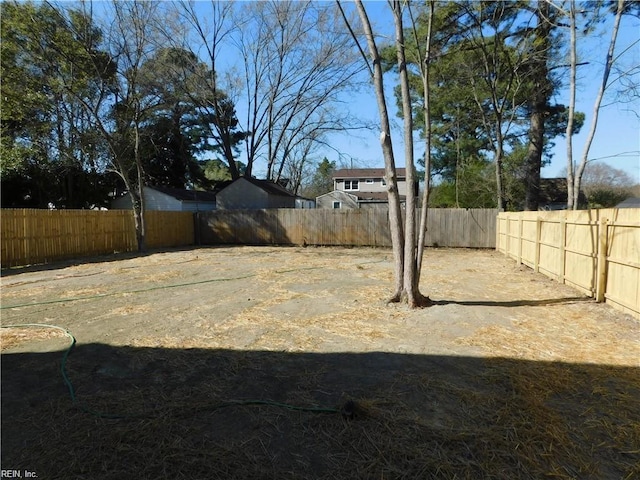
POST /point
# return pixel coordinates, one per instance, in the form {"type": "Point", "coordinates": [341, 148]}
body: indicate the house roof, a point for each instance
{"type": "Point", "coordinates": [631, 202]}
{"type": "Point", "coordinates": [365, 173]}
{"type": "Point", "coordinates": [364, 197]}
{"type": "Point", "coordinates": [372, 196]}
{"type": "Point", "coordinates": [375, 197]}
{"type": "Point", "coordinates": [268, 186]}
{"type": "Point", "coordinates": [186, 195]}
{"type": "Point", "coordinates": [335, 193]}
{"type": "Point", "coordinates": [554, 190]}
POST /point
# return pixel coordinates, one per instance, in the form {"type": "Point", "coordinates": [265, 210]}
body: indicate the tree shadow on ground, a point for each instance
{"type": "Point", "coordinates": [514, 303]}
{"type": "Point", "coordinates": [109, 257]}
{"type": "Point", "coordinates": [227, 414]}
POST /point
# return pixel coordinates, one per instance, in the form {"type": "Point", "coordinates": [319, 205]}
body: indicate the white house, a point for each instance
{"type": "Point", "coordinates": [170, 199]}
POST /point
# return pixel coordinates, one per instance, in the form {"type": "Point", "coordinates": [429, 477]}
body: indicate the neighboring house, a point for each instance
{"type": "Point", "coordinates": [251, 193]}
{"type": "Point", "coordinates": [361, 188]}
{"type": "Point", "coordinates": [553, 194]}
{"type": "Point", "coordinates": [170, 199]}
{"type": "Point", "coordinates": [631, 202]}
{"type": "Point", "coordinates": [337, 199]}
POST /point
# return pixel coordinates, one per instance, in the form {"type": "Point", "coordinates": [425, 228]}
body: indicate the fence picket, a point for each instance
{"type": "Point", "coordinates": [31, 236]}
{"type": "Point", "coordinates": [472, 228]}
{"type": "Point", "coordinates": [37, 236]}
{"type": "Point", "coordinates": [595, 251]}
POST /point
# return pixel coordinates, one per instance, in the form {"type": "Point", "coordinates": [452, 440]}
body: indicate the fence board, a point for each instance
{"type": "Point", "coordinates": [40, 236]}
{"type": "Point", "coordinates": [595, 251]}
{"type": "Point", "coordinates": [32, 236]}
{"type": "Point", "coordinates": [474, 228]}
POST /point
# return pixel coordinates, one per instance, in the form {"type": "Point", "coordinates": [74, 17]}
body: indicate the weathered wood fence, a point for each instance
{"type": "Point", "coordinates": [447, 227]}
{"type": "Point", "coordinates": [595, 251]}
{"type": "Point", "coordinates": [40, 236]}
{"type": "Point", "coordinates": [32, 236]}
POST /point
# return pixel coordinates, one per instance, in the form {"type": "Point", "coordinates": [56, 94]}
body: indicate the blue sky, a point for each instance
{"type": "Point", "coordinates": [617, 139]}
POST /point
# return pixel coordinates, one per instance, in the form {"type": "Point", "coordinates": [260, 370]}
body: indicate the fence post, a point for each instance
{"type": "Point", "coordinates": [601, 278]}
{"type": "Point", "coordinates": [520, 239]}
{"type": "Point", "coordinates": [563, 247]}
{"type": "Point", "coordinates": [507, 231]}
{"type": "Point", "coordinates": [196, 228]}
{"type": "Point", "coordinates": [536, 262]}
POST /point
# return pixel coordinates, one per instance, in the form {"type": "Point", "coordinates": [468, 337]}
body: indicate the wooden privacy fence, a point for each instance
{"type": "Point", "coordinates": [595, 251]}
{"type": "Point", "coordinates": [447, 227]}
{"type": "Point", "coordinates": [31, 236]}
{"type": "Point", "coordinates": [39, 236]}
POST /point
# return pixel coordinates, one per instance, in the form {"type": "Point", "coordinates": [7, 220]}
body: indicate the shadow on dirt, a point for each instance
{"type": "Point", "coordinates": [113, 257]}
{"type": "Point", "coordinates": [225, 414]}
{"type": "Point", "coordinates": [515, 303]}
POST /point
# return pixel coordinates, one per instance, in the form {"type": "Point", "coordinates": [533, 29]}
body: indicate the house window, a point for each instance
{"type": "Point", "coordinates": [337, 204]}
{"type": "Point", "coordinates": [383, 182]}
{"type": "Point", "coordinates": [369, 181]}
{"type": "Point", "coordinates": [351, 185]}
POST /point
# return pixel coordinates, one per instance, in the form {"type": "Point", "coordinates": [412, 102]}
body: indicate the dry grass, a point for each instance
{"type": "Point", "coordinates": [131, 309]}
{"type": "Point", "coordinates": [554, 394]}
{"type": "Point", "coordinates": [9, 290]}
{"type": "Point", "coordinates": [552, 338]}
{"type": "Point", "coordinates": [514, 421]}
{"type": "Point", "coordinates": [13, 337]}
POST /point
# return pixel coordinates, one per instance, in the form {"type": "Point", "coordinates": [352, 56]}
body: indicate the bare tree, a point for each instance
{"type": "Point", "coordinates": [295, 67]}
{"type": "Point", "coordinates": [410, 280]}
{"type": "Point", "coordinates": [214, 97]}
{"type": "Point", "coordinates": [424, 60]}
{"type": "Point", "coordinates": [575, 173]}
{"type": "Point", "coordinates": [599, 175]}
{"type": "Point", "coordinates": [117, 109]}
{"type": "Point", "coordinates": [573, 62]}
{"type": "Point", "coordinates": [404, 236]}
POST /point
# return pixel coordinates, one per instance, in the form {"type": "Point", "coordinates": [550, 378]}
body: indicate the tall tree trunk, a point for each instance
{"type": "Point", "coordinates": [139, 206]}
{"type": "Point", "coordinates": [534, 157]}
{"type": "Point", "coordinates": [539, 105]}
{"type": "Point", "coordinates": [500, 200]}
{"type": "Point", "coordinates": [572, 197]}
{"type": "Point", "coordinates": [395, 213]}
{"type": "Point", "coordinates": [411, 273]}
{"type": "Point", "coordinates": [425, 70]}
{"type": "Point", "coordinates": [596, 107]}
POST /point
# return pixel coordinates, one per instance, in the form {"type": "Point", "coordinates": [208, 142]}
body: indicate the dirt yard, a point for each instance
{"type": "Point", "coordinates": [286, 363]}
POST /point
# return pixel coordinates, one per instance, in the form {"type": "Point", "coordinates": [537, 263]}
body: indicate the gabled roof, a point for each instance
{"type": "Point", "coordinates": [631, 202]}
{"type": "Point", "coordinates": [268, 186]}
{"type": "Point", "coordinates": [186, 195]}
{"type": "Point", "coordinates": [365, 173]}
{"type": "Point", "coordinates": [335, 193]}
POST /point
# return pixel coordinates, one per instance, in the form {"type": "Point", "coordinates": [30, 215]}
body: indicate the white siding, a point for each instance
{"type": "Point", "coordinates": [375, 187]}
{"type": "Point", "coordinates": [346, 200]}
